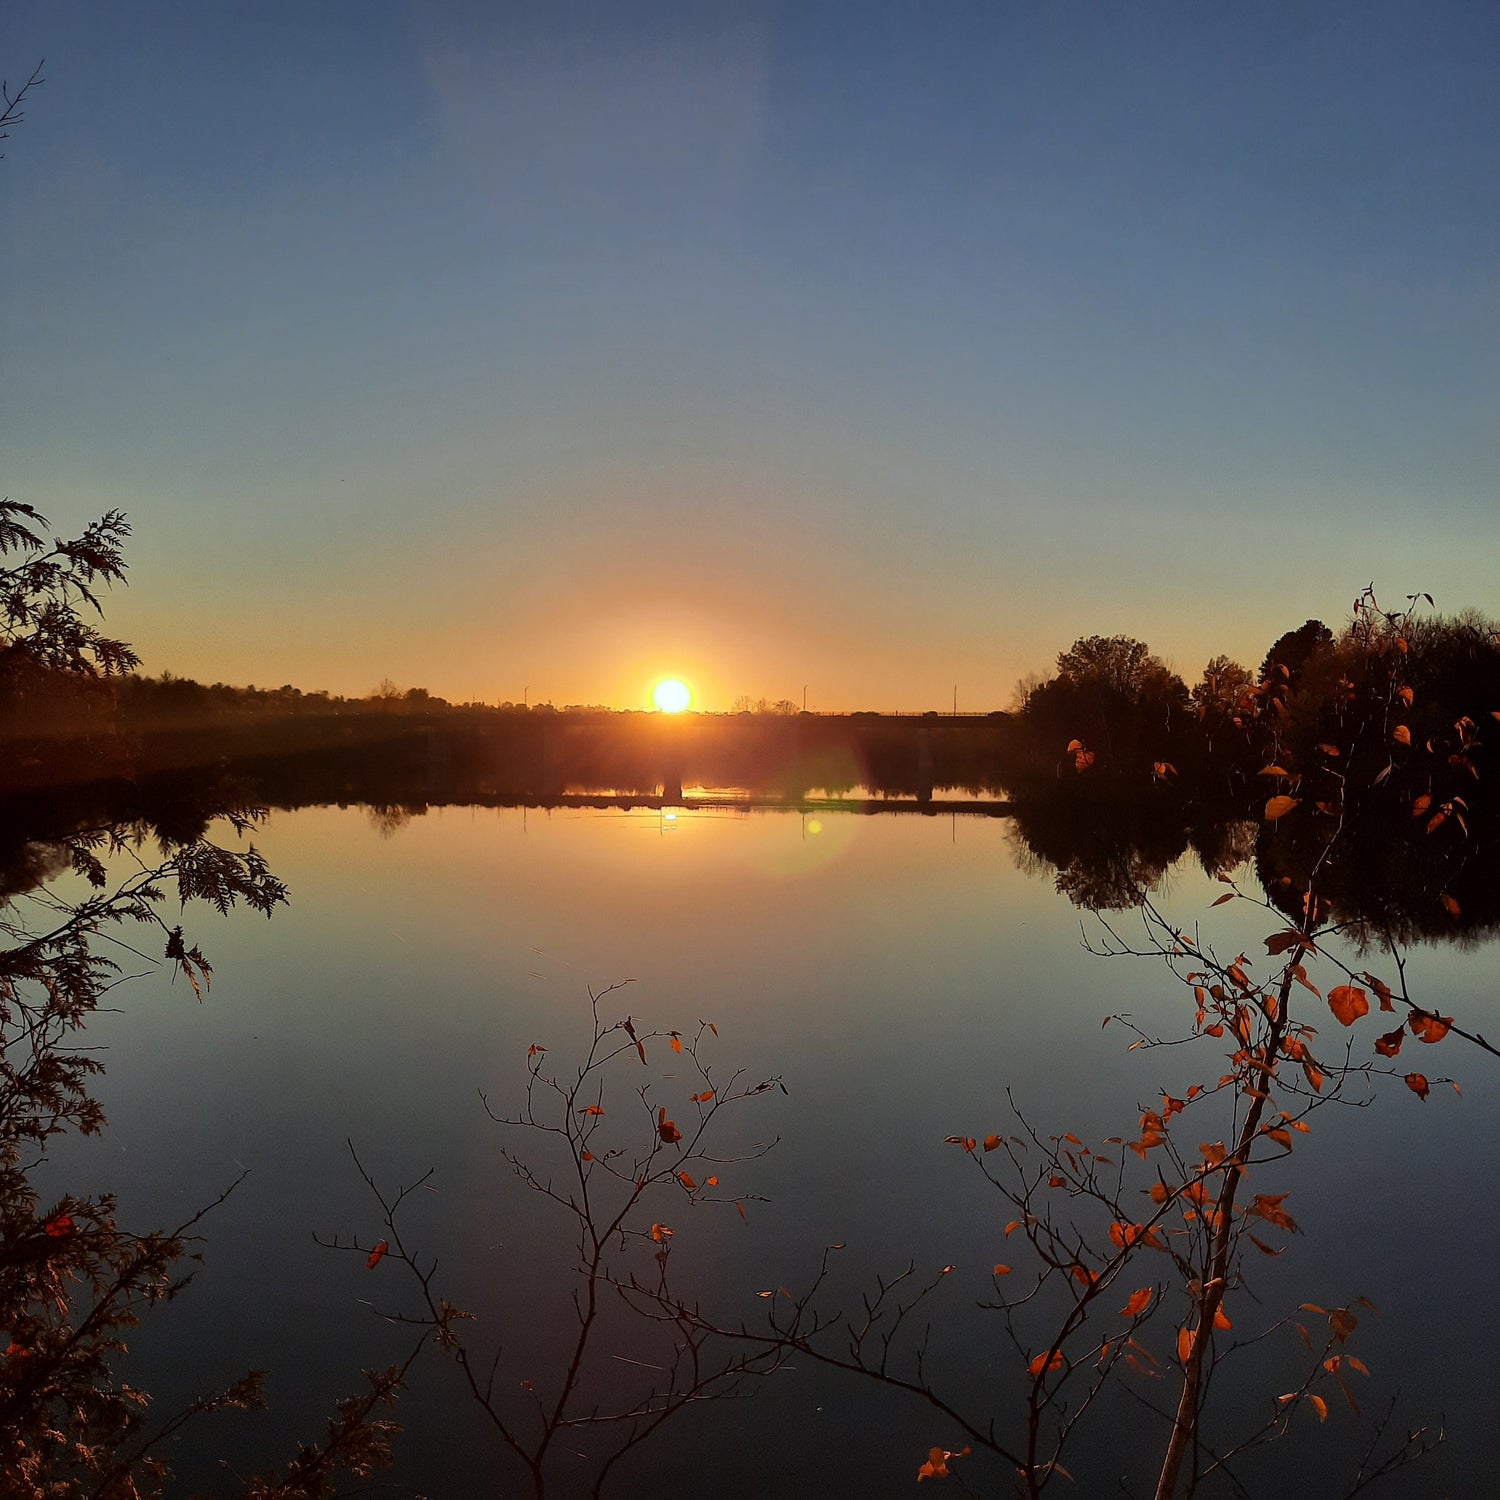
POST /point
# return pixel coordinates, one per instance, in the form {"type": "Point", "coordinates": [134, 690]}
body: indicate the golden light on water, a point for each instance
{"type": "Point", "coordinates": [672, 695]}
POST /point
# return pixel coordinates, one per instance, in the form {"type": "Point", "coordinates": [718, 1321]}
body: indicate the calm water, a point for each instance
{"type": "Point", "coordinates": [899, 973]}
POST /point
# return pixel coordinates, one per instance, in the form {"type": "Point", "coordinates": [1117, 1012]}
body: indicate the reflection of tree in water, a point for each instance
{"type": "Point", "coordinates": [27, 866]}
{"type": "Point", "coordinates": [1385, 881]}
{"type": "Point", "coordinates": [1112, 881]}
{"type": "Point", "coordinates": [1389, 880]}
{"type": "Point", "coordinates": [1224, 846]}
{"type": "Point", "coordinates": [1101, 861]}
{"type": "Point", "coordinates": [389, 818]}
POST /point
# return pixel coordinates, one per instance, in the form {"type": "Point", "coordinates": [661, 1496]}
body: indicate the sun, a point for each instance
{"type": "Point", "coordinates": [672, 695]}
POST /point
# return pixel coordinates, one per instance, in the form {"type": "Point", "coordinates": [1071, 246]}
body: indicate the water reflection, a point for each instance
{"type": "Point", "coordinates": [1385, 880]}
{"type": "Point", "coordinates": [898, 970]}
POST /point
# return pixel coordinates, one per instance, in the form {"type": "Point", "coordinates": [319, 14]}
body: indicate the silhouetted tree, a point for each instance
{"type": "Point", "coordinates": [1120, 707]}
{"type": "Point", "coordinates": [1294, 649]}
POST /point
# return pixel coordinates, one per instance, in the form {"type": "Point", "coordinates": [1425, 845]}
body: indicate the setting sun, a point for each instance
{"type": "Point", "coordinates": [671, 695]}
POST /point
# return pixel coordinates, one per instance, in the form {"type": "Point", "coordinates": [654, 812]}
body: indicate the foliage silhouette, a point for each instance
{"type": "Point", "coordinates": [610, 1182]}
{"type": "Point", "coordinates": [73, 1281]}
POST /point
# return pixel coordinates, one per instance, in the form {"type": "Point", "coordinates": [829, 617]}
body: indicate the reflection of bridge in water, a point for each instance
{"type": "Point", "coordinates": [753, 802]}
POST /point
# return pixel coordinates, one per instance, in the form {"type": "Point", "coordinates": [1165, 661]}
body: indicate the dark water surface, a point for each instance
{"type": "Point", "coordinates": [900, 974]}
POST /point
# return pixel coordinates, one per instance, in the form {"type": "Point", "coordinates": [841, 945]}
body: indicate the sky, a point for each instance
{"type": "Point", "coordinates": [869, 352]}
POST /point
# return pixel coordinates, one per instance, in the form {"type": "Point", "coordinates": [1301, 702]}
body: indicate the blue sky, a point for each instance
{"type": "Point", "coordinates": [878, 348]}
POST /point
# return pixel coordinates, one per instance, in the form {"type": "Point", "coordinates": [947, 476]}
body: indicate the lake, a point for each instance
{"type": "Point", "coordinates": [901, 976]}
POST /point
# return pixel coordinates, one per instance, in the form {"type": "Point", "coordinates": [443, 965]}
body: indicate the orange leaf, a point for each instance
{"type": "Point", "coordinates": [1186, 1338]}
{"type": "Point", "coordinates": [1401, 734]}
{"type": "Point", "coordinates": [1420, 806]}
{"type": "Point", "coordinates": [1279, 807]}
{"type": "Point", "coordinates": [1348, 1003]}
{"type": "Point", "coordinates": [661, 1232]}
{"type": "Point", "coordinates": [1320, 1406]}
{"type": "Point", "coordinates": [593, 1109]}
{"type": "Point", "coordinates": [686, 1181]}
{"type": "Point", "coordinates": [991, 1142]}
{"type": "Point", "coordinates": [1417, 1083]}
{"type": "Point", "coordinates": [1267, 1206]}
{"type": "Point", "coordinates": [377, 1255]}
{"type": "Point", "coordinates": [936, 1466]}
{"type": "Point", "coordinates": [1002, 1270]}
{"type": "Point", "coordinates": [676, 1042]}
{"type": "Point", "coordinates": [1221, 1318]}
{"type": "Point", "coordinates": [1429, 1027]}
{"type": "Point", "coordinates": [669, 1133]}
{"type": "Point", "coordinates": [1450, 905]}
{"type": "Point", "coordinates": [1138, 1303]}
{"type": "Point", "coordinates": [1300, 975]}
{"type": "Point", "coordinates": [713, 1182]}
{"type": "Point", "coordinates": [1343, 1322]}
{"type": "Point", "coordinates": [1014, 1224]}
{"type": "Point", "coordinates": [1390, 1044]}
{"type": "Point", "coordinates": [1042, 1362]}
